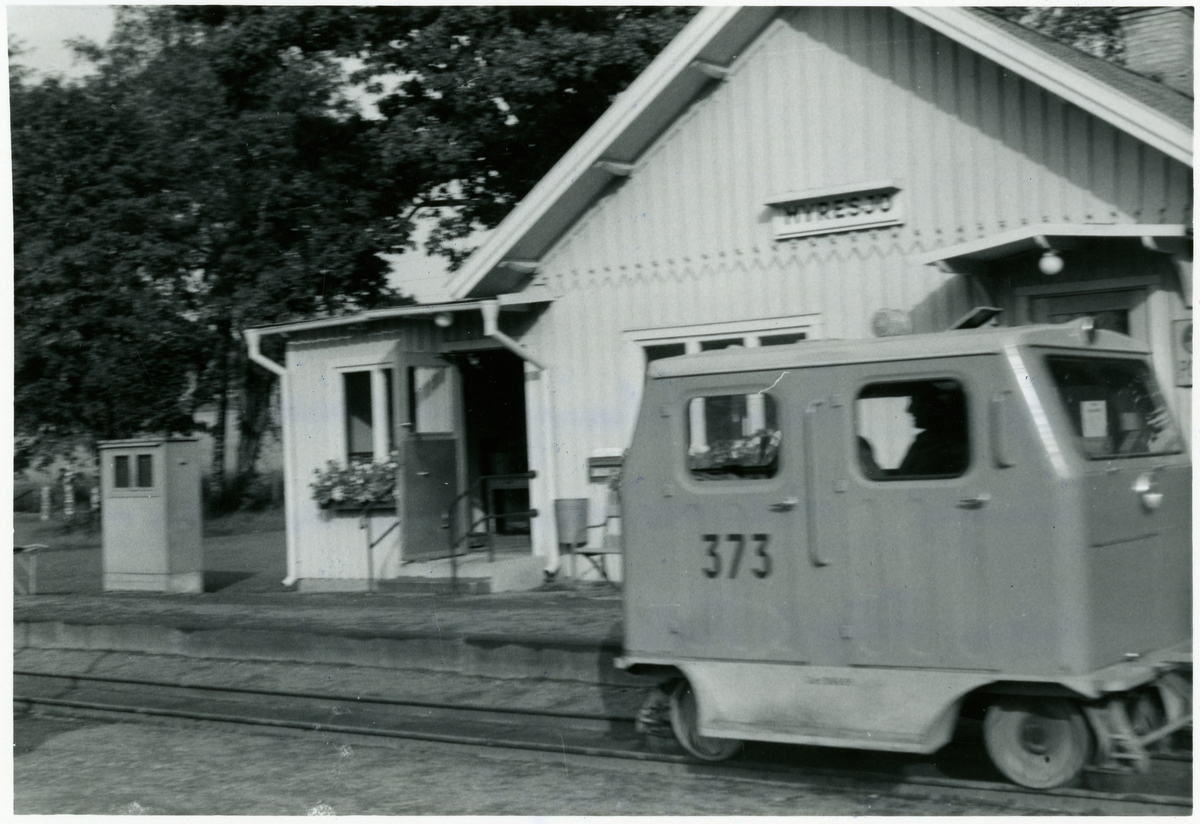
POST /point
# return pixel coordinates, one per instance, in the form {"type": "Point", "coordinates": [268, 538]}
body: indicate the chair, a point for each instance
{"type": "Point", "coordinates": [27, 555]}
{"type": "Point", "coordinates": [574, 531]}
{"type": "Point", "coordinates": [611, 543]}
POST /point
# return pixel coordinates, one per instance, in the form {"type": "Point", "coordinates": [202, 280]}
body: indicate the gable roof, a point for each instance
{"type": "Point", "coordinates": [711, 41]}
{"type": "Point", "coordinates": [1159, 96]}
{"type": "Point", "coordinates": [1149, 111]}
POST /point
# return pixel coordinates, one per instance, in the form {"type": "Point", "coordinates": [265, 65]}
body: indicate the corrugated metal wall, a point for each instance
{"type": "Point", "coordinates": [826, 97]}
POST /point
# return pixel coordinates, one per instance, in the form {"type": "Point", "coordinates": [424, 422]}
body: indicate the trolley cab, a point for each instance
{"type": "Point", "coordinates": [846, 543]}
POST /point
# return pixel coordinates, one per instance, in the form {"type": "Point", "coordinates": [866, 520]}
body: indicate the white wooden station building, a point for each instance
{"type": "Point", "coordinates": [776, 175]}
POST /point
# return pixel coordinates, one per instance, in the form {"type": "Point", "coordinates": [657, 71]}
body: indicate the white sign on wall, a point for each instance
{"type": "Point", "coordinates": [846, 208]}
{"type": "Point", "coordinates": [1183, 352]}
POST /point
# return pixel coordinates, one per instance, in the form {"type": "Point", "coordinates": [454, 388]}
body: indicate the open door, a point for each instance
{"type": "Point", "coordinates": [433, 468]}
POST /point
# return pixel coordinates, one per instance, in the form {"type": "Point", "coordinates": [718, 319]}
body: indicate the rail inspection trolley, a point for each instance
{"type": "Point", "coordinates": [847, 543]}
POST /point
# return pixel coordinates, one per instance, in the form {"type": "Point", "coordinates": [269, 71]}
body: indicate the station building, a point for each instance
{"type": "Point", "coordinates": [776, 175]}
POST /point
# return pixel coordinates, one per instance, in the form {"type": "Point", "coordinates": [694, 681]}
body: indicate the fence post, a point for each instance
{"type": "Point", "coordinates": [45, 503]}
{"type": "Point", "coordinates": [68, 495]}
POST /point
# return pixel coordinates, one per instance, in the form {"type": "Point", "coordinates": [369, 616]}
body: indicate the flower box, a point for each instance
{"type": "Point", "coordinates": [355, 508]}
{"type": "Point", "coordinates": [357, 487]}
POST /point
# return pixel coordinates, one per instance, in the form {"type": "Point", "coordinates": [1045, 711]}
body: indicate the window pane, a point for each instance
{"type": "Point", "coordinates": [725, 343]}
{"type": "Point", "coordinates": [430, 395]}
{"type": "Point", "coordinates": [664, 350]}
{"type": "Point", "coordinates": [912, 429]}
{"type": "Point", "coordinates": [782, 339]}
{"type": "Point", "coordinates": [359, 439]}
{"type": "Point", "coordinates": [1114, 320]}
{"type": "Point", "coordinates": [145, 470]}
{"type": "Point", "coordinates": [391, 409]}
{"type": "Point", "coordinates": [121, 472]}
{"type": "Point", "coordinates": [1114, 407]}
{"type": "Point", "coordinates": [733, 437]}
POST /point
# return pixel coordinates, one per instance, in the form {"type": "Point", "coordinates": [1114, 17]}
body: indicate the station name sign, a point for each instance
{"type": "Point", "coordinates": [844, 209]}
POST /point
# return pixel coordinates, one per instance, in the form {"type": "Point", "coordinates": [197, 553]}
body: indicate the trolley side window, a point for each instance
{"type": "Point", "coordinates": [733, 437]}
{"type": "Point", "coordinates": [909, 430]}
{"type": "Point", "coordinates": [1114, 407]}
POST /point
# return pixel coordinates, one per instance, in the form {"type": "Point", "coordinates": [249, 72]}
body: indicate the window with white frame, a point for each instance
{"type": "Point", "coordinates": [668, 343]}
{"type": "Point", "coordinates": [367, 401]}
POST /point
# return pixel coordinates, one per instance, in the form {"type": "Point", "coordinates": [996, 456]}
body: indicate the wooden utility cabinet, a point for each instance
{"type": "Point", "coordinates": [151, 515]}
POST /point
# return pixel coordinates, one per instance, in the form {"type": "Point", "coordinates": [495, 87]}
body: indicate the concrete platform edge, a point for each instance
{"type": "Point", "coordinates": [490, 656]}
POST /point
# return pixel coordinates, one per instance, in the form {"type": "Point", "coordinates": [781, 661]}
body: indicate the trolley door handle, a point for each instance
{"type": "Point", "coordinates": [810, 476]}
{"type": "Point", "coordinates": [786, 505]}
{"type": "Point", "coordinates": [977, 502]}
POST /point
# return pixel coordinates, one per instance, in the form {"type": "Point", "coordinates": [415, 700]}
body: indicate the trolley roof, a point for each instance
{"type": "Point", "coordinates": [949, 344]}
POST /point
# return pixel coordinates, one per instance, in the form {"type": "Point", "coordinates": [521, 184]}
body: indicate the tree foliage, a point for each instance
{"type": "Point", "coordinates": [217, 172]}
{"type": "Point", "coordinates": [477, 103]}
{"type": "Point", "coordinates": [164, 204]}
{"type": "Point", "coordinates": [493, 97]}
{"type": "Point", "coordinates": [1092, 29]}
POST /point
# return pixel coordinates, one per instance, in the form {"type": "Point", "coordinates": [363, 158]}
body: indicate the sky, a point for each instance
{"type": "Point", "coordinates": [42, 30]}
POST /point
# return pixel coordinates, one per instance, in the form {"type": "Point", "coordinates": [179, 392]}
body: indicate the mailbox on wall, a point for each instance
{"type": "Point", "coordinates": [151, 515]}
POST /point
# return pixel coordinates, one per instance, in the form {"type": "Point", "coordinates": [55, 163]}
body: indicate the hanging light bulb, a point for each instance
{"type": "Point", "coordinates": [443, 320]}
{"type": "Point", "coordinates": [1051, 263]}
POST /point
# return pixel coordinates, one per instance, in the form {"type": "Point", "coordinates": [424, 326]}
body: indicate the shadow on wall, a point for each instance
{"type": "Point", "coordinates": [943, 306]}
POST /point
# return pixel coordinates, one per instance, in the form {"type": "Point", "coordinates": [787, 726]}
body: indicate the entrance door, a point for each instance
{"type": "Point", "coordinates": [724, 567]}
{"type": "Point", "coordinates": [917, 507]}
{"type": "Point", "coordinates": [431, 457]}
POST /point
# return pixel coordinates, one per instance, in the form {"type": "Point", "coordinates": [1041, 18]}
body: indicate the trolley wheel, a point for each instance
{"type": "Point", "coordinates": [1037, 742]}
{"type": "Point", "coordinates": [685, 724]}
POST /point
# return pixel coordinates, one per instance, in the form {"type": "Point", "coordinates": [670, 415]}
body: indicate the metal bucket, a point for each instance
{"type": "Point", "coordinates": [570, 518]}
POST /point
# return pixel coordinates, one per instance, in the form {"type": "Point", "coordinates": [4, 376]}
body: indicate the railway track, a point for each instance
{"type": "Point", "coordinates": [960, 769]}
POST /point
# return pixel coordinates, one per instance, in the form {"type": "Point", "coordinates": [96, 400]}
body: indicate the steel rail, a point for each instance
{"type": "Point", "coordinates": [758, 771]}
{"type": "Point", "coordinates": [320, 696]}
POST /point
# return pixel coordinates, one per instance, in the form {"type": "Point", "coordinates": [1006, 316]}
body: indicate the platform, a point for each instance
{"type": "Point", "coordinates": [553, 631]}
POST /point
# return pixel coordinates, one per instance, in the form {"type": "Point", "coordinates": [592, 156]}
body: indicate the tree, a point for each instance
{"type": "Point", "coordinates": [491, 97]}
{"type": "Point", "coordinates": [103, 341]}
{"type": "Point", "coordinates": [477, 102]}
{"type": "Point", "coordinates": [216, 174]}
{"type": "Point", "coordinates": [207, 207]}
{"type": "Point", "coordinates": [1092, 29]}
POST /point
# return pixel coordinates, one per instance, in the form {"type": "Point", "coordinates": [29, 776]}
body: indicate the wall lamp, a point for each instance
{"type": "Point", "coordinates": [1050, 263]}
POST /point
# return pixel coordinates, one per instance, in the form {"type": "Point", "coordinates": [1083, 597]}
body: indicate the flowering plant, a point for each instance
{"type": "Point", "coordinates": [358, 484]}
{"type": "Point", "coordinates": [754, 454]}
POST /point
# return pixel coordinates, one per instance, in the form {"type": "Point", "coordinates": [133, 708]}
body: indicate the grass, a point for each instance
{"type": "Point", "coordinates": [243, 552]}
{"type": "Point", "coordinates": [83, 532]}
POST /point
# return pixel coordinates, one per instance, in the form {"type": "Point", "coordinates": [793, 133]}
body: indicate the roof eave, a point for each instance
{"type": "Point", "coordinates": [414, 311]}
{"type": "Point", "coordinates": [674, 60]}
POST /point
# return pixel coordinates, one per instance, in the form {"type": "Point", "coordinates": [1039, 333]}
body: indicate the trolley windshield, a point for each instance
{"type": "Point", "coordinates": [1114, 407]}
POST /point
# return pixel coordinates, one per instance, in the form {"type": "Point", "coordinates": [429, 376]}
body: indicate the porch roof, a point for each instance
{"type": "Point", "coordinates": [1172, 238]}
{"type": "Point", "coordinates": [415, 311]}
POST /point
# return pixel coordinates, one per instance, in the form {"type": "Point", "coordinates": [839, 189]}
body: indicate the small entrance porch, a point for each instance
{"type": "Point", "coordinates": [434, 393]}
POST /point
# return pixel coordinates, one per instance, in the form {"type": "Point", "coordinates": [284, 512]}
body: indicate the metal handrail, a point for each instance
{"type": "Point", "coordinates": [529, 513]}
{"type": "Point", "coordinates": [479, 483]}
{"type": "Point", "coordinates": [449, 519]}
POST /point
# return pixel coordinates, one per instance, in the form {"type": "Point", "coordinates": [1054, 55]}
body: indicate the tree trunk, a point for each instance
{"type": "Point", "coordinates": [255, 419]}
{"type": "Point", "coordinates": [219, 429]}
